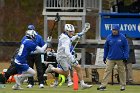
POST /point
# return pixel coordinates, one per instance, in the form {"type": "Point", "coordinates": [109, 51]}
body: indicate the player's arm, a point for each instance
{"type": "Point", "coordinates": [43, 48]}
{"type": "Point", "coordinates": [40, 49]}
{"type": "Point", "coordinates": [80, 34]}
{"type": "Point", "coordinates": [74, 37]}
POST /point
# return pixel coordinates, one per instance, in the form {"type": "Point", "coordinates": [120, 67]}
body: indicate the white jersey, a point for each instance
{"type": "Point", "coordinates": [64, 57]}
{"type": "Point", "coordinates": [63, 50]}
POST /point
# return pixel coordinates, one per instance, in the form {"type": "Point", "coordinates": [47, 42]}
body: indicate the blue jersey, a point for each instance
{"type": "Point", "coordinates": [26, 47]}
{"type": "Point", "coordinates": [116, 47]}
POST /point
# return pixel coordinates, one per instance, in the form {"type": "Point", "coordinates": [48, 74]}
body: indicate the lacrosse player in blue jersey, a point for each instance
{"type": "Point", "coordinates": [35, 59]}
{"type": "Point", "coordinates": [26, 47]}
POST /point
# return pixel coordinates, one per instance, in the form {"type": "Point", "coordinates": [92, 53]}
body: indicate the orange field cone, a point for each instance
{"type": "Point", "coordinates": [75, 81]}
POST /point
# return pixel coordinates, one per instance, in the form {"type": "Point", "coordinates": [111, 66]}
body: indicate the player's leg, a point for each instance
{"type": "Point", "coordinates": [78, 69]}
{"type": "Point", "coordinates": [26, 72]}
{"type": "Point", "coordinates": [64, 68]}
{"type": "Point", "coordinates": [11, 71]}
{"type": "Point", "coordinates": [55, 84]}
{"type": "Point", "coordinates": [57, 70]}
{"type": "Point", "coordinates": [39, 69]}
{"type": "Point", "coordinates": [70, 82]}
{"type": "Point", "coordinates": [30, 60]}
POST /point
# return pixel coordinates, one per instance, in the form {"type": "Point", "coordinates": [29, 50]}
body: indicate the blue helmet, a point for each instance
{"type": "Point", "coordinates": [115, 27]}
{"type": "Point", "coordinates": [31, 27]}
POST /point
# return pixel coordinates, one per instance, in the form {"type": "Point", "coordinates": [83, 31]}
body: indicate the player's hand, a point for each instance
{"type": "Point", "coordinates": [73, 53]}
{"type": "Point", "coordinates": [80, 34]}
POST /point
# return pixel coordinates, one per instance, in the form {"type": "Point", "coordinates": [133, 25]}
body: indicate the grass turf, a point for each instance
{"type": "Point", "coordinates": [65, 89]}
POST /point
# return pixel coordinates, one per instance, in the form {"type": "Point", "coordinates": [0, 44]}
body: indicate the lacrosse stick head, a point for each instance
{"type": "Point", "coordinates": [57, 18]}
{"type": "Point", "coordinates": [87, 27]}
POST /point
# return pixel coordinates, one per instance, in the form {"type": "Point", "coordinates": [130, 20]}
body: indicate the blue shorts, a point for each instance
{"type": "Point", "coordinates": [21, 68]}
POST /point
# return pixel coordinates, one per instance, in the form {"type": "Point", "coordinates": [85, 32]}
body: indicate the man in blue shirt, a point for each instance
{"type": "Point", "coordinates": [116, 52]}
{"type": "Point", "coordinates": [27, 46]}
{"type": "Point", "coordinates": [35, 58]}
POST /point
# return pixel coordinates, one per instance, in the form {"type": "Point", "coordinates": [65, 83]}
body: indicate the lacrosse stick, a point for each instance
{"type": "Point", "coordinates": [57, 19]}
{"type": "Point", "coordinates": [85, 29]}
{"type": "Point", "coordinates": [49, 39]}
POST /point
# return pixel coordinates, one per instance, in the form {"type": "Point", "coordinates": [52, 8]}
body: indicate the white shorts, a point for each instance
{"type": "Point", "coordinates": [66, 64]}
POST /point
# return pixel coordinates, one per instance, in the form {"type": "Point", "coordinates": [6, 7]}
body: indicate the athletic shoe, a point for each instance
{"type": "Point", "coordinates": [84, 86]}
{"type": "Point", "coordinates": [17, 79]}
{"type": "Point", "coordinates": [122, 88]}
{"type": "Point", "coordinates": [16, 87]}
{"type": "Point", "coordinates": [30, 86]}
{"type": "Point", "coordinates": [101, 88]}
{"type": "Point", "coordinates": [70, 83]}
{"type": "Point", "coordinates": [49, 69]}
{"type": "Point", "coordinates": [41, 86]}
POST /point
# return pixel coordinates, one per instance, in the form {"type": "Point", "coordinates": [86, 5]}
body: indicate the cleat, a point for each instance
{"type": "Point", "coordinates": [41, 86]}
{"type": "Point", "coordinates": [101, 88]}
{"type": "Point", "coordinates": [49, 69]}
{"type": "Point", "coordinates": [30, 86]}
{"type": "Point", "coordinates": [70, 83]}
{"type": "Point", "coordinates": [16, 87]}
{"type": "Point", "coordinates": [84, 86]}
{"type": "Point", "coordinates": [122, 88]}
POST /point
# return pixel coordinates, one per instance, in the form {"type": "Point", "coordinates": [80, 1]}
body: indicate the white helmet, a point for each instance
{"type": "Point", "coordinates": [69, 27]}
{"type": "Point", "coordinates": [30, 34]}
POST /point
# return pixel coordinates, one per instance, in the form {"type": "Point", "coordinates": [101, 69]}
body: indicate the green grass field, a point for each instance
{"type": "Point", "coordinates": [65, 89]}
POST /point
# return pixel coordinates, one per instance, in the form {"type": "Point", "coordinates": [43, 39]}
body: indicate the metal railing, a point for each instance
{"type": "Point", "coordinates": [92, 4]}
{"type": "Point", "coordinates": [64, 4]}
{"type": "Point", "coordinates": [71, 4]}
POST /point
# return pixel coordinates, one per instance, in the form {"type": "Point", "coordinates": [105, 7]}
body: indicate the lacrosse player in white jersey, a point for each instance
{"type": "Point", "coordinates": [64, 56]}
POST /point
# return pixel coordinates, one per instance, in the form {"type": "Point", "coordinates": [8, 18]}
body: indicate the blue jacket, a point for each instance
{"type": "Point", "coordinates": [39, 40]}
{"type": "Point", "coordinates": [116, 47]}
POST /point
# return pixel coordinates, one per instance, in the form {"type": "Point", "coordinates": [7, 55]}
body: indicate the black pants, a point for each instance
{"type": "Point", "coordinates": [10, 71]}
{"type": "Point", "coordinates": [36, 59]}
{"type": "Point", "coordinates": [12, 68]}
